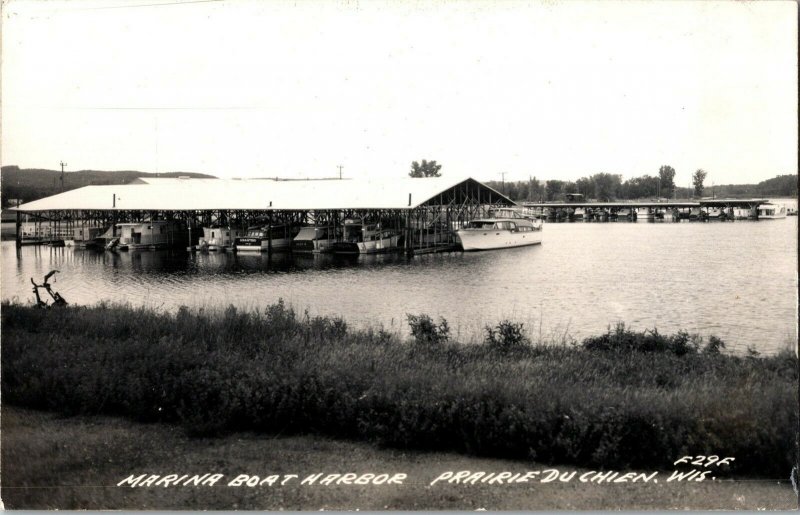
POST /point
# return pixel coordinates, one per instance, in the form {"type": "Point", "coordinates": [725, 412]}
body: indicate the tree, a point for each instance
{"type": "Point", "coordinates": [535, 189]}
{"type": "Point", "coordinates": [585, 187]}
{"type": "Point", "coordinates": [666, 175]}
{"type": "Point", "coordinates": [553, 188]}
{"type": "Point", "coordinates": [697, 179]}
{"type": "Point", "coordinates": [426, 169]}
{"type": "Point", "coordinates": [606, 186]}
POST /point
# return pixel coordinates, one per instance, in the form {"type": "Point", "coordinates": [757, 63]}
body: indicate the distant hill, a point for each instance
{"type": "Point", "coordinates": [779, 186]}
{"type": "Point", "coordinates": [29, 184]}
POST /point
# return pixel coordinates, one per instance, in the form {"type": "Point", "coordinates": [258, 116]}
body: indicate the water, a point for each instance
{"type": "Point", "coordinates": [736, 280]}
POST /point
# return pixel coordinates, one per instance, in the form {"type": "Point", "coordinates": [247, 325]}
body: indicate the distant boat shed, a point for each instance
{"type": "Point", "coordinates": [425, 210]}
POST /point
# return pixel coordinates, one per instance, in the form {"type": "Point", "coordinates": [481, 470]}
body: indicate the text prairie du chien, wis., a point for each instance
{"type": "Point", "coordinates": [702, 469]}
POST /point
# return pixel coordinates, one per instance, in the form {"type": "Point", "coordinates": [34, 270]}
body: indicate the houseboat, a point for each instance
{"type": "Point", "coordinates": [158, 234]}
{"type": "Point", "coordinates": [261, 238]}
{"type": "Point", "coordinates": [504, 228]}
{"type": "Point", "coordinates": [771, 211]}
{"type": "Point", "coordinates": [86, 237]}
{"type": "Point", "coordinates": [219, 238]}
{"type": "Point", "coordinates": [314, 239]}
{"type": "Point", "coordinates": [359, 237]}
{"type": "Point", "coordinates": [743, 213]}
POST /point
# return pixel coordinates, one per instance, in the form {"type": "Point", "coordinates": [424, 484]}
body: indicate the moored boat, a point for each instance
{"type": "Point", "coordinates": [263, 238]}
{"type": "Point", "coordinates": [771, 211]}
{"type": "Point", "coordinates": [157, 234]}
{"type": "Point", "coordinates": [366, 238]}
{"type": "Point", "coordinates": [504, 228]}
{"type": "Point", "coordinates": [645, 214]}
{"type": "Point", "coordinates": [87, 237]}
{"type": "Point", "coordinates": [314, 239]}
{"type": "Point", "coordinates": [219, 238]}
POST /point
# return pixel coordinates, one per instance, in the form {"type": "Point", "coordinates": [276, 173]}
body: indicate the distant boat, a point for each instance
{"type": "Point", "coordinates": [86, 237]}
{"type": "Point", "coordinates": [716, 213]}
{"type": "Point", "coordinates": [366, 238]}
{"type": "Point", "coordinates": [314, 239]}
{"type": "Point", "coordinates": [504, 228]}
{"type": "Point", "coordinates": [771, 211]}
{"type": "Point", "coordinates": [157, 234]}
{"type": "Point", "coordinates": [645, 214]}
{"type": "Point", "coordinates": [260, 238]}
{"type": "Point", "coordinates": [218, 238]}
{"type": "Point", "coordinates": [671, 215]}
{"type": "Point", "coordinates": [743, 213]}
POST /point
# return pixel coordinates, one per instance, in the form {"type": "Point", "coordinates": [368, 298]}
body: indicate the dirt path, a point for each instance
{"type": "Point", "coordinates": [76, 463]}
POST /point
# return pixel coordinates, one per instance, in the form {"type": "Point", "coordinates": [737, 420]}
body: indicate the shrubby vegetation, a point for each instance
{"type": "Point", "coordinates": [620, 400]}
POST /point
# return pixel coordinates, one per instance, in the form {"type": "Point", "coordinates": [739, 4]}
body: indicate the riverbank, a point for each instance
{"type": "Point", "coordinates": [620, 400]}
{"type": "Point", "coordinates": [76, 463]}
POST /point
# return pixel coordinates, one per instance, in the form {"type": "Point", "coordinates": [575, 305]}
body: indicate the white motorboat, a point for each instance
{"type": "Point", "coordinates": [504, 228]}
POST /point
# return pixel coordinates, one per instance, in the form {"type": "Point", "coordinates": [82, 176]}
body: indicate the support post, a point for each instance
{"type": "Point", "coordinates": [18, 226]}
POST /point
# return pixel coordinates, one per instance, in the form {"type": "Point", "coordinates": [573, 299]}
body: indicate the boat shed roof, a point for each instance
{"type": "Point", "coordinates": [171, 194]}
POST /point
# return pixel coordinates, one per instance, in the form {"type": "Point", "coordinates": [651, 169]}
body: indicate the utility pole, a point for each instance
{"type": "Point", "coordinates": [503, 174]}
{"type": "Point", "coordinates": [63, 164]}
{"type": "Point", "coordinates": [340, 171]}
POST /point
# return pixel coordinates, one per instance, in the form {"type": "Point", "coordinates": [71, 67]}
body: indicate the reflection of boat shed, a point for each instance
{"type": "Point", "coordinates": [425, 211]}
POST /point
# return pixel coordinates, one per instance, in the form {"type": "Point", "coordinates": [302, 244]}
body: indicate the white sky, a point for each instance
{"type": "Point", "coordinates": [553, 89]}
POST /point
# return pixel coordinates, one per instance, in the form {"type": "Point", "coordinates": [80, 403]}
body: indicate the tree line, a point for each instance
{"type": "Point", "coordinates": [605, 187]}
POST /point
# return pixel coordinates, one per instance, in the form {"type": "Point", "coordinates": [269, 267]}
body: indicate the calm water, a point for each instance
{"type": "Point", "coordinates": [736, 280]}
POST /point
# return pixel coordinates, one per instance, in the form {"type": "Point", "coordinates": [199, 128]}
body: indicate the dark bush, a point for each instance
{"type": "Point", "coordinates": [426, 331]}
{"type": "Point", "coordinates": [625, 340]}
{"type": "Point", "coordinates": [506, 335]}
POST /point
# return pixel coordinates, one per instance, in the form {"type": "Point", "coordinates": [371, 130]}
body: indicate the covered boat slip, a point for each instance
{"type": "Point", "coordinates": [702, 209]}
{"type": "Point", "coordinates": [424, 213]}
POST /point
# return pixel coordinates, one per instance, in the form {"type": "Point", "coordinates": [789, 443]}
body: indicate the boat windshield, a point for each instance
{"type": "Point", "coordinates": [481, 224]}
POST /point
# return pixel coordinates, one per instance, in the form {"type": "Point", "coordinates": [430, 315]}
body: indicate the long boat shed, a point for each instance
{"type": "Point", "coordinates": [424, 210]}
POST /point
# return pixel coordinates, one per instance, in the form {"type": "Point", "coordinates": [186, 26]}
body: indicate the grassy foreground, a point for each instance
{"type": "Point", "coordinates": [620, 402]}
{"type": "Point", "coordinates": [51, 462]}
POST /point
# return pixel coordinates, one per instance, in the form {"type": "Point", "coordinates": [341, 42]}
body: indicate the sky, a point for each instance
{"type": "Point", "coordinates": [551, 89]}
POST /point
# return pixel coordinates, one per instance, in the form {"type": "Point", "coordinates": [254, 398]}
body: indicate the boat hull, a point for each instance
{"type": "Point", "coordinates": [262, 244]}
{"type": "Point", "coordinates": [492, 239]}
{"type": "Point", "coordinates": [367, 247]}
